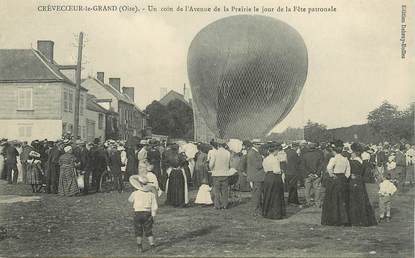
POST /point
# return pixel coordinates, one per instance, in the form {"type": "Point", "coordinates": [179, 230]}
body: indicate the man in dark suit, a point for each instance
{"type": "Point", "coordinates": [115, 165]}
{"type": "Point", "coordinates": [312, 164]}
{"type": "Point", "coordinates": [292, 173]}
{"type": "Point", "coordinates": [255, 174]}
{"type": "Point", "coordinates": [10, 157]}
{"type": "Point", "coordinates": [52, 176]}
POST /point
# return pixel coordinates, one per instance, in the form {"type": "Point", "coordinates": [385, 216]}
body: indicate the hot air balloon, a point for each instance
{"type": "Point", "coordinates": [246, 73]}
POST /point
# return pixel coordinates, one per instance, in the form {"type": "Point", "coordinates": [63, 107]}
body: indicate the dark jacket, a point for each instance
{"type": "Point", "coordinates": [381, 159]}
{"type": "Point", "coordinates": [254, 167]}
{"type": "Point", "coordinates": [81, 155]}
{"type": "Point", "coordinates": [115, 162]}
{"type": "Point", "coordinates": [311, 162]}
{"type": "Point", "coordinates": [293, 162]}
{"type": "Point", "coordinates": [54, 155]}
{"type": "Point", "coordinates": [10, 154]}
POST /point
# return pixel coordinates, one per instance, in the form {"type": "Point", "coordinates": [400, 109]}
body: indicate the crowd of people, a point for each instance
{"type": "Point", "coordinates": [265, 169]}
{"type": "Point", "coordinates": [341, 178]}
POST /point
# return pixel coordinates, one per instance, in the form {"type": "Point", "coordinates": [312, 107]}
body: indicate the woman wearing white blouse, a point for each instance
{"type": "Point", "coordinates": [273, 193]}
{"type": "Point", "coordinates": [334, 211]}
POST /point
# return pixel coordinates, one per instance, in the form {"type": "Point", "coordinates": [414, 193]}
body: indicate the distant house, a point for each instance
{"type": "Point", "coordinates": [96, 117]}
{"type": "Point", "coordinates": [37, 99]}
{"type": "Point", "coordinates": [173, 95]}
{"type": "Point", "coordinates": [131, 121]}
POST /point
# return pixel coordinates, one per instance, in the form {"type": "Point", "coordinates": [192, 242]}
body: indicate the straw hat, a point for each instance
{"type": "Point", "coordinates": [139, 182]}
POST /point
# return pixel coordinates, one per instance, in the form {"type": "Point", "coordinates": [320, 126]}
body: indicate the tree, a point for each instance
{"type": "Point", "coordinates": [390, 123]}
{"type": "Point", "coordinates": [159, 118]}
{"type": "Point", "coordinates": [315, 132]}
{"type": "Point", "coordinates": [174, 120]}
{"type": "Point", "coordinates": [182, 116]}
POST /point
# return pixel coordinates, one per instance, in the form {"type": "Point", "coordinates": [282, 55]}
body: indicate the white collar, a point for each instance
{"type": "Point", "coordinates": [255, 149]}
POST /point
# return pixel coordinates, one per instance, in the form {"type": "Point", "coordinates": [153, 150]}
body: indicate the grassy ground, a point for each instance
{"type": "Point", "coordinates": [101, 225]}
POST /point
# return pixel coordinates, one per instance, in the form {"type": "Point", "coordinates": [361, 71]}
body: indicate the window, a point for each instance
{"type": "Point", "coordinates": [24, 98]}
{"type": "Point", "coordinates": [81, 105]}
{"type": "Point", "coordinates": [100, 121]}
{"type": "Point", "coordinates": [84, 133]}
{"type": "Point", "coordinates": [25, 130]}
{"type": "Point", "coordinates": [64, 127]}
{"type": "Point", "coordinates": [65, 100]}
{"type": "Point", "coordinates": [70, 94]}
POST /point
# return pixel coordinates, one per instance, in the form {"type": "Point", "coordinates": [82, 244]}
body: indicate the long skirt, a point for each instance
{"type": "Point", "coordinates": [410, 173]}
{"type": "Point", "coordinates": [188, 175]}
{"type": "Point", "coordinates": [200, 173]}
{"type": "Point", "coordinates": [2, 168]}
{"type": "Point", "coordinates": [361, 212]}
{"type": "Point", "coordinates": [273, 205]}
{"type": "Point", "coordinates": [242, 184]}
{"type": "Point", "coordinates": [176, 189]}
{"type": "Point", "coordinates": [67, 181]}
{"type": "Point", "coordinates": [33, 176]}
{"type": "Point", "coordinates": [334, 212]}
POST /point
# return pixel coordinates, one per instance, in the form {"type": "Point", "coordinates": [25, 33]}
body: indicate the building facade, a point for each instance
{"type": "Point", "coordinates": [38, 100]}
{"type": "Point", "coordinates": [131, 121]}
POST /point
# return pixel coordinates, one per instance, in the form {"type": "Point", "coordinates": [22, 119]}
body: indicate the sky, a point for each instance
{"type": "Point", "coordinates": [354, 53]}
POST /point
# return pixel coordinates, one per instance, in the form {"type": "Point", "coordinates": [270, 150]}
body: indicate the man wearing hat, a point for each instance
{"type": "Point", "coordinates": [292, 173]}
{"type": "Point", "coordinates": [219, 165]}
{"type": "Point", "coordinates": [255, 174]}
{"type": "Point", "coordinates": [145, 207]}
{"type": "Point", "coordinates": [52, 177]}
{"type": "Point", "coordinates": [10, 154]}
{"type": "Point", "coordinates": [312, 165]}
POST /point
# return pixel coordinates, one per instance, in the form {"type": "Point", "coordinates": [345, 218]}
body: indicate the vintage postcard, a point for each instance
{"type": "Point", "coordinates": [207, 128]}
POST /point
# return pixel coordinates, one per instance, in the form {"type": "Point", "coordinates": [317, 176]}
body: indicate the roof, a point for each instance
{"type": "Point", "coordinates": [120, 96]}
{"type": "Point", "coordinates": [172, 95]}
{"type": "Point", "coordinates": [29, 65]}
{"type": "Point", "coordinates": [92, 105]}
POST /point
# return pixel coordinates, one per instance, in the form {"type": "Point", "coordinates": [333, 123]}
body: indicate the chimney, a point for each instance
{"type": "Point", "coordinates": [46, 48]}
{"type": "Point", "coordinates": [115, 83]}
{"type": "Point", "coordinates": [129, 91]}
{"type": "Point", "coordinates": [100, 76]}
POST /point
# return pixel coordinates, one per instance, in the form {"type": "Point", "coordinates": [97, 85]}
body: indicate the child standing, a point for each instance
{"type": "Point", "coordinates": [145, 208]}
{"type": "Point", "coordinates": [203, 195]}
{"type": "Point", "coordinates": [386, 190]}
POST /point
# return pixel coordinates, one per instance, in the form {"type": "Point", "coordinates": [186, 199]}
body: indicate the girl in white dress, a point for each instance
{"type": "Point", "coordinates": [203, 195]}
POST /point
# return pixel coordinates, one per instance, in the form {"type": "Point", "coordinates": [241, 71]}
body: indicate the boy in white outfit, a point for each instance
{"type": "Point", "coordinates": [386, 190]}
{"type": "Point", "coordinates": [145, 208]}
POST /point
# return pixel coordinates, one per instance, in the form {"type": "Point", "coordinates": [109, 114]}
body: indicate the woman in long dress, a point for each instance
{"type": "Point", "coordinates": [176, 185]}
{"type": "Point", "coordinates": [334, 212]}
{"type": "Point", "coordinates": [360, 211]}
{"type": "Point", "coordinates": [67, 176]}
{"type": "Point", "coordinates": [34, 171]}
{"type": "Point", "coordinates": [201, 167]}
{"type": "Point", "coordinates": [274, 204]}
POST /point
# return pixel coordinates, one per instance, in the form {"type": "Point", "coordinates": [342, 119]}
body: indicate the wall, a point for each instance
{"type": "Point", "coordinates": [98, 133]}
{"type": "Point", "coordinates": [68, 117]}
{"type": "Point", "coordinates": [100, 92]}
{"type": "Point", "coordinates": [45, 96]}
{"type": "Point", "coordinates": [31, 129]}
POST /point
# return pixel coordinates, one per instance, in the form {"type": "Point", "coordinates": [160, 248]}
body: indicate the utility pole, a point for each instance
{"type": "Point", "coordinates": [78, 86]}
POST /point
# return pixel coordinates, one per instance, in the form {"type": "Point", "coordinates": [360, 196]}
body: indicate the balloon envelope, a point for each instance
{"type": "Point", "coordinates": [246, 73]}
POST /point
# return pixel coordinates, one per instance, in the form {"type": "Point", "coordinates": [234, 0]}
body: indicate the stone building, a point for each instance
{"type": "Point", "coordinates": [37, 98]}
{"type": "Point", "coordinates": [131, 121]}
